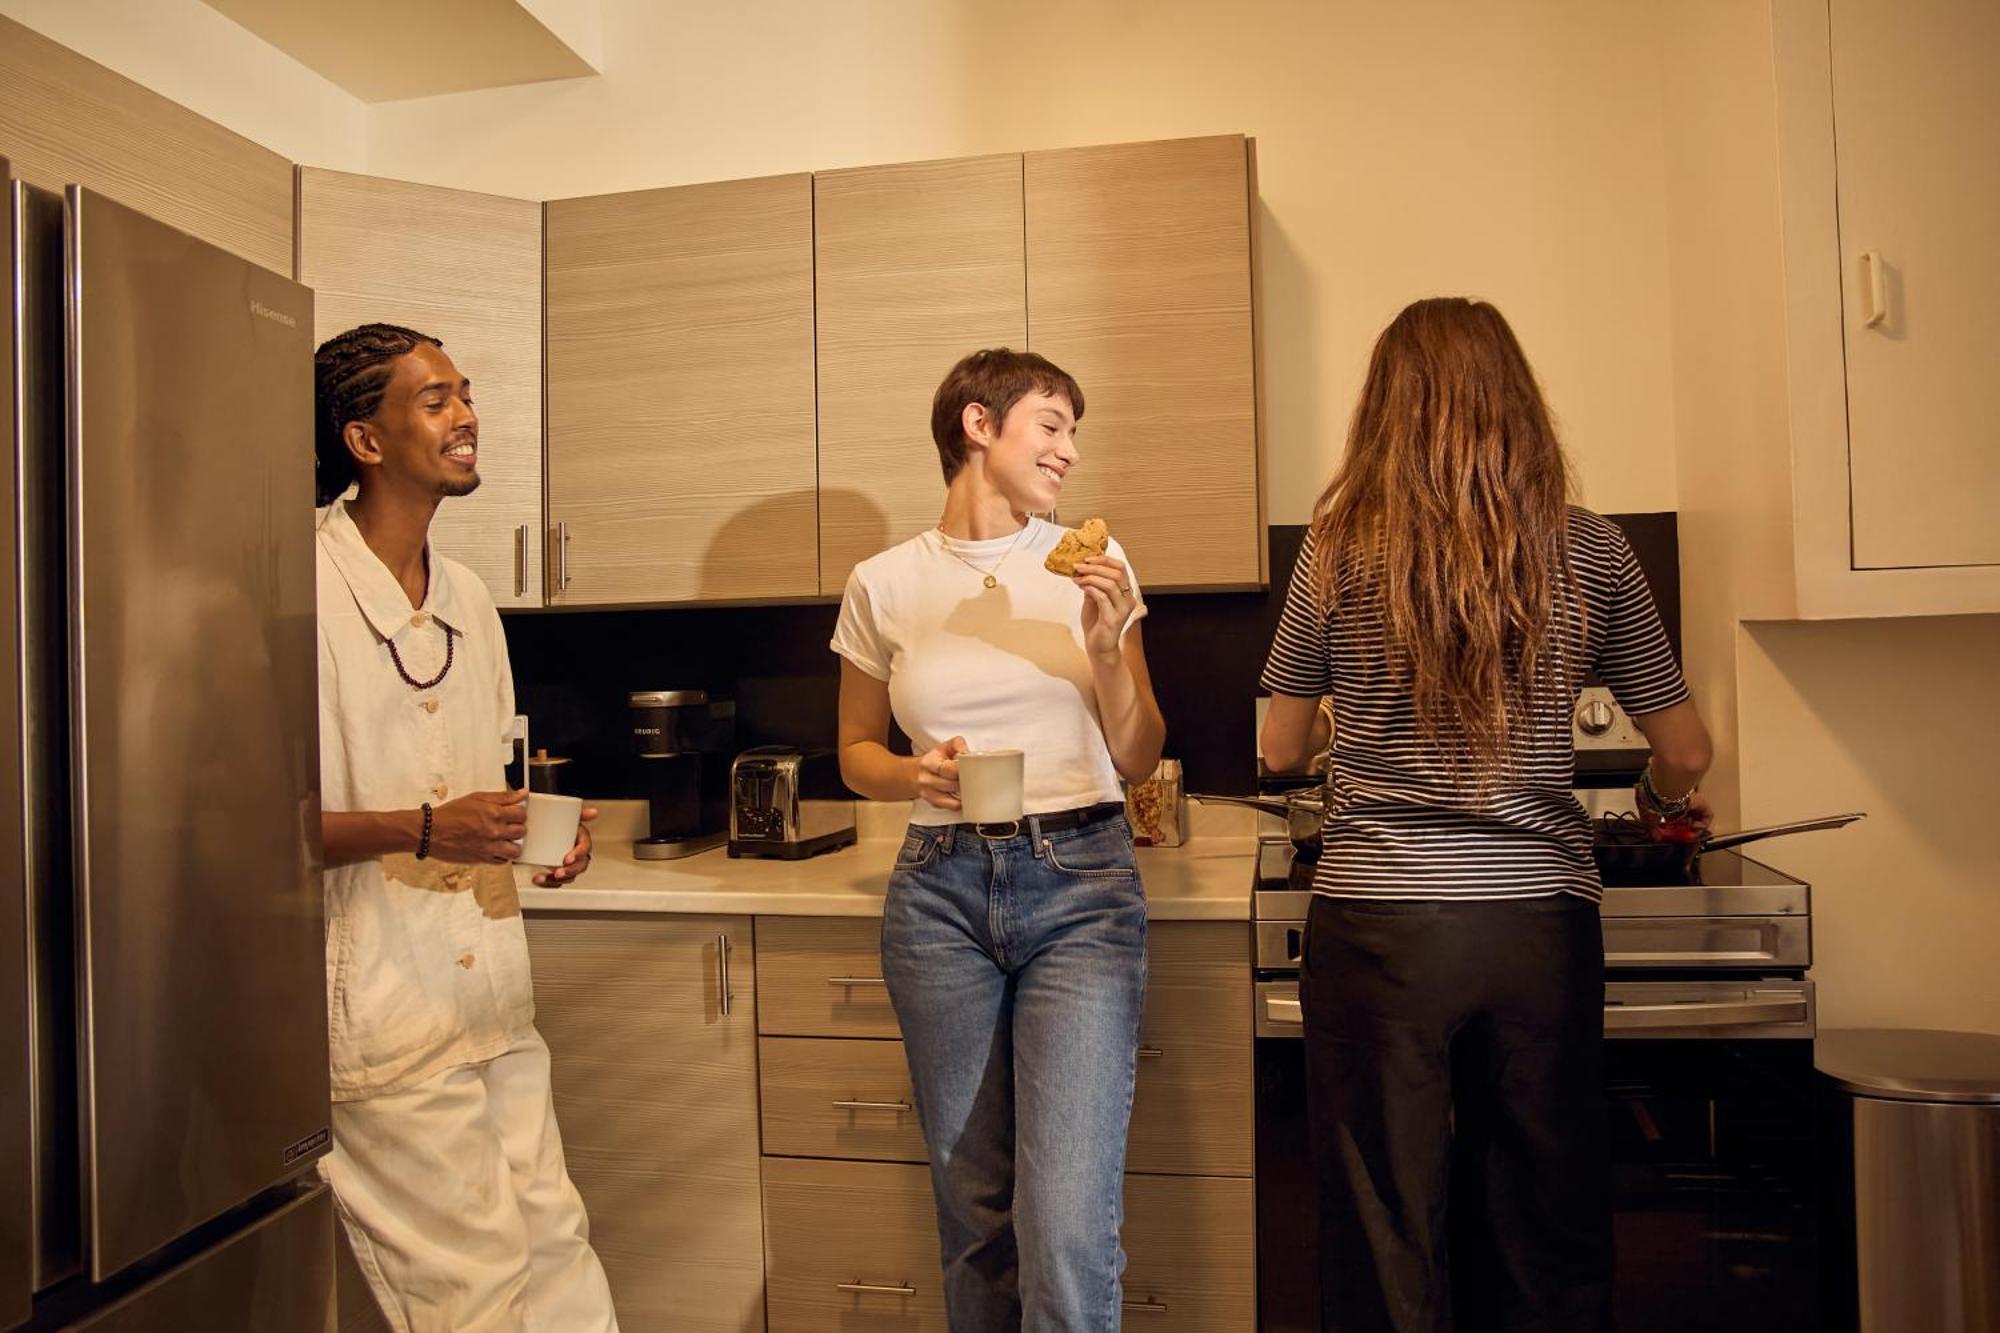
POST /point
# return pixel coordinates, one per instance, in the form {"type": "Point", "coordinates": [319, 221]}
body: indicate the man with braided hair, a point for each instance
{"type": "Point", "coordinates": [446, 1162]}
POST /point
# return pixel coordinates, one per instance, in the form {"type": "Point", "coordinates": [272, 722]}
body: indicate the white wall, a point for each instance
{"type": "Point", "coordinates": [1898, 718]}
{"type": "Point", "coordinates": [1509, 151]}
{"type": "Point", "coordinates": [191, 54]}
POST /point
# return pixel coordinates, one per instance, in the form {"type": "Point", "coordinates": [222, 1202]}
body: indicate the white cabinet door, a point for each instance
{"type": "Point", "coordinates": [1916, 110]}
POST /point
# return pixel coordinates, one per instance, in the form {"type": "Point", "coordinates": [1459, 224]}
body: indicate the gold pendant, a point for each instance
{"type": "Point", "coordinates": [992, 582]}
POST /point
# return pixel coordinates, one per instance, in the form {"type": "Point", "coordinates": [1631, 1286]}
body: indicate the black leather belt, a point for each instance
{"type": "Point", "coordinates": [1056, 821]}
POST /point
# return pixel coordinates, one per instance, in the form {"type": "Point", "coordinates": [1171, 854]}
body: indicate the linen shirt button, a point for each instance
{"type": "Point", "coordinates": [467, 961]}
{"type": "Point", "coordinates": [430, 705]}
{"type": "Point", "coordinates": [439, 792]}
{"type": "Point", "coordinates": [420, 619]}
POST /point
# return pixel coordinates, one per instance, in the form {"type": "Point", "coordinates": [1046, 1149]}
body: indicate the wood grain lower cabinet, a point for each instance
{"type": "Point", "coordinates": [467, 269]}
{"type": "Point", "coordinates": [850, 1231]}
{"type": "Point", "coordinates": [1190, 1254]}
{"type": "Point", "coordinates": [825, 1097]}
{"type": "Point", "coordinates": [822, 977]}
{"type": "Point", "coordinates": [1192, 1112]}
{"type": "Point", "coordinates": [651, 1023]}
{"type": "Point", "coordinates": [853, 1246]}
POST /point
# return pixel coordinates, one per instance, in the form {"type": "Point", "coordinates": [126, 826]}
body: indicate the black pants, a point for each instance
{"type": "Point", "coordinates": [1455, 1093]}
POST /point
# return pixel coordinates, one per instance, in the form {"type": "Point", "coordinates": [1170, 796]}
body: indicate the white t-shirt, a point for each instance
{"type": "Point", "coordinates": [1004, 667]}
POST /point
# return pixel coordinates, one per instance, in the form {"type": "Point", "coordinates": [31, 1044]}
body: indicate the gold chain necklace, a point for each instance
{"type": "Point", "coordinates": [989, 575]}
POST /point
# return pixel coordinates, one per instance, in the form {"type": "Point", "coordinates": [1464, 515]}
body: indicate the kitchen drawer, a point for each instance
{"type": "Point", "coordinates": [833, 1227]}
{"type": "Point", "coordinates": [1191, 1258]}
{"type": "Point", "coordinates": [822, 977]}
{"type": "Point", "coordinates": [829, 1097]}
{"type": "Point", "coordinates": [1191, 1111]}
{"type": "Point", "coordinates": [830, 1227]}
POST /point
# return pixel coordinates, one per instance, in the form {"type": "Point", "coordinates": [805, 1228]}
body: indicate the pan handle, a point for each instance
{"type": "Point", "coordinates": [1779, 831]}
{"type": "Point", "coordinates": [1264, 803]}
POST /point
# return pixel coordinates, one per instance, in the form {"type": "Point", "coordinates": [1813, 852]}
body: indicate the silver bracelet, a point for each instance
{"type": "Point", "coordinates": [1663, 806]}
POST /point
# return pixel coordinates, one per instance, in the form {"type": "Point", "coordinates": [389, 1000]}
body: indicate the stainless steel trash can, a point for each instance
{"type": "Point", "coordinates": [1925, 1157]}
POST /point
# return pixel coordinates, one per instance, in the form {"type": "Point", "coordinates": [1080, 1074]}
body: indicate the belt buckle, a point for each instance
{"type": "Point", "coordinates": [1012, 827]}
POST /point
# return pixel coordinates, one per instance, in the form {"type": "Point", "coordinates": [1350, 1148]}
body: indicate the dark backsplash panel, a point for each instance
{"type": "Point", "coordinates": [572, 671]}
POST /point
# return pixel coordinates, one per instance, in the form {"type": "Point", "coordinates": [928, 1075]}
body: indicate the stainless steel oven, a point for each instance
{"type": "Point", "coordinates": [1708, 1094]}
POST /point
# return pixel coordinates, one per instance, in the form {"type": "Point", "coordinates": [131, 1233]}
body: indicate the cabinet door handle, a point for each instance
{"type": "Point", "coordinates": [898, 1107]}
{"type": "Point", "coordinates": [875, 1289]}
{"type": "Point", "coordinates": [722, 973]}
{"type": "Point", "coordinates": [1151, 1053]}
{"type": "Point", "coordinates": [521, 561]}
{"type": "Point", "coordinates": [856, 981]}
{"type": "Point", "coordinates": [1145, 1307]}
{"type": "Point", "coordinates": [562, 557]}
{"type": "Point", "coordinates": [1874, 289]}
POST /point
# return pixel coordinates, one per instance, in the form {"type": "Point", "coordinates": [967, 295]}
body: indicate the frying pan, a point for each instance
{"type": "Point", "coordinates": [1627, 852]}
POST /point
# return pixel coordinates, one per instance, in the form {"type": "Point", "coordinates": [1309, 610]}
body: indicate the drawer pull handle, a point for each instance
{"type": "Point", "coordinates": [1146, 1307]}
{"type": "Point", "coordinates": [1151, 1053]}
{"type": "Point", "coordinates": [898, 1107]}
{"type": "Point", "coordinates": [855, 981]}
{"type": "Point", "coordinates": [874, 1289]}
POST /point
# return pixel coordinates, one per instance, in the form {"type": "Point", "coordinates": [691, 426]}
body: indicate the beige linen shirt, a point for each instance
{"type": "Point", "coordinates": [426, 961]}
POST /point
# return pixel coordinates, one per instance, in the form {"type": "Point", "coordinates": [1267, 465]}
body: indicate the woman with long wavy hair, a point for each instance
{"type": "Point", "coordinates": [1446, 608]}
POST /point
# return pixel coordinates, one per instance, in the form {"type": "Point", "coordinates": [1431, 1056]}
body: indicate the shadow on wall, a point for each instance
{"type": "Point", "coordinates": [1290, 384]}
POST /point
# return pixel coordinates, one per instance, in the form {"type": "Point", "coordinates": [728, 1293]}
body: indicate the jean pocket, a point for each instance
{"type": "Point", "coordinates": [1099, 851]}
{"type": "Point", "coordinates": [918, 850]}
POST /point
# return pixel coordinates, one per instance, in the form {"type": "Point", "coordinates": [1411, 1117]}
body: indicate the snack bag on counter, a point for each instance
{"type": "Point", "coordinates": [1157, 808]}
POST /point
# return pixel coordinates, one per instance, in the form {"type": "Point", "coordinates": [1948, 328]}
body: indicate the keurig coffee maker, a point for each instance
{"type": "Point", "coordinates": [683, 742]}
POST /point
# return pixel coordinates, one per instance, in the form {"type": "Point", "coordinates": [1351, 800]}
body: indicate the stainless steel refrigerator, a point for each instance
{"type": "Point", "coordinates": [162, 984]}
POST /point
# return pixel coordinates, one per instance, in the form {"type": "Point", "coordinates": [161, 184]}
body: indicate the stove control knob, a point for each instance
{"type": "Point", "coordinates": [1595, 717]}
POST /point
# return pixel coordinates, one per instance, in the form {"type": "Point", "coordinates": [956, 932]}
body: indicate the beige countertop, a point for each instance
{"type": "Point", "coordinates": [1207, 879]}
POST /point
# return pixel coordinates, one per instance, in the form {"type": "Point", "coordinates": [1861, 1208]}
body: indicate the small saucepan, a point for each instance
{"type": "Point", "coordinates": [1627, 853]}
{"type": "Point", "coordinates": [1304, 812]}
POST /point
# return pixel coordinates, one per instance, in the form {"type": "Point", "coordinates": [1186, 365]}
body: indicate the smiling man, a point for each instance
{"type": "Point", "coordinates": [446, 1162]}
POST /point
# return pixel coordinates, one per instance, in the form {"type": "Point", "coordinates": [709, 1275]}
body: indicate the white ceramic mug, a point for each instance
{"type": "Point", "coordinates": [989, 785]}
{"type": "Point", "coordinates": [552, 824]}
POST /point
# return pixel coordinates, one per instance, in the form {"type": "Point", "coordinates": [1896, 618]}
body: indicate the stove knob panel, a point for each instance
{"type": "Point", "coordinates": [1595, 717]}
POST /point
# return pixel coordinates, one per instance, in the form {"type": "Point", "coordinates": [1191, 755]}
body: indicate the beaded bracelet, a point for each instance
{"type": "Point", "coordinates": [424, 839]}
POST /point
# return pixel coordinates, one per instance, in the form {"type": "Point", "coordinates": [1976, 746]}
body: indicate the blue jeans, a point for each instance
{"type": "Point", "coordinates": [1017, 967]}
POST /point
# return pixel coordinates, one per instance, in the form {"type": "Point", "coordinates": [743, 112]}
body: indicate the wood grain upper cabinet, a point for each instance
{"type": "Point", "coordinates": [916, 266]}
{"type": "Point", "coordinates": [467, 269]}
{"type": "Point", "coordinates": [1139, 285]}
{"type": "Point", "coordinates": [655, 1078]}
{"type": "Point", "coordinates": [681, 460]}
{"type": "Point", "coordinates": [65, 120]}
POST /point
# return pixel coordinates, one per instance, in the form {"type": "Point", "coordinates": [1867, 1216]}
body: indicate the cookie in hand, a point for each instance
{"type": "Point", "coordinates": [1077, 545]}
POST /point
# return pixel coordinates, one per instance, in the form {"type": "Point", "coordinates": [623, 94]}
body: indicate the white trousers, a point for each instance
{"type": "Point", "coordinates": [459, 1208]}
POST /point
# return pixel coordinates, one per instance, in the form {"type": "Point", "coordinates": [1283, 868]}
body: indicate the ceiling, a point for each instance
{"type": "Point", "coordinates": [389, 50]}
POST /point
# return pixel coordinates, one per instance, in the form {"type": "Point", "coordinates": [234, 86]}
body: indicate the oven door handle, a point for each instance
{"type": "Point", "coordinates": [1283, 1009]}
{"type": "Point", "coordinates": [1705, 1014]}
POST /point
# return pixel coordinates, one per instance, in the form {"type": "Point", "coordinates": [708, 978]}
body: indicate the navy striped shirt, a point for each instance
{"type": "Point", "coordinates": [1404, 821]}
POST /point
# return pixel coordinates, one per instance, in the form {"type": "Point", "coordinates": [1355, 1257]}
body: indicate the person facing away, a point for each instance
{"type": "Point", "coordinates": [1447, 604]}
{"type": "Point", "coordinates": [446, 1164]}
{"type": "Point", "coordinates": [1015, 953]}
